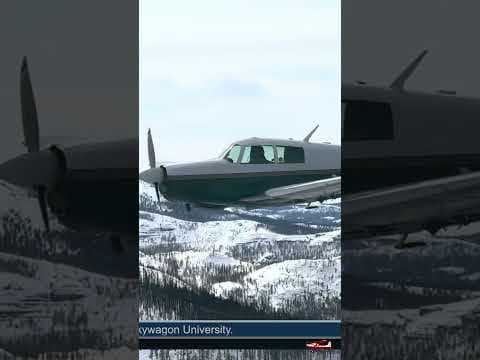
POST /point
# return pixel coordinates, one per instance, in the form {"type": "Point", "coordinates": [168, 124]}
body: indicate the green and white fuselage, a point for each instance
{"type": "Point", "coordinates": [254, 172]}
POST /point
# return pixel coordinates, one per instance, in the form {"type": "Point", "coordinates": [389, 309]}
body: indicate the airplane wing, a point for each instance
{"type": "Point", "coordinates": [302, 192]}
{"type": "Point", "coordinates": [430, 205]}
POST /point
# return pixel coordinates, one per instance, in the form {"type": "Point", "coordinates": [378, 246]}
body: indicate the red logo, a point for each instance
{"type": "Point", "coordinates": [319, 345]}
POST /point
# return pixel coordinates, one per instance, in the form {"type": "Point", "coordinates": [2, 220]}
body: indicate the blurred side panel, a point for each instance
{"type": "Point", "coordinates": [69, 179]}
{"type": "Point", "coordinates": [410, 180]}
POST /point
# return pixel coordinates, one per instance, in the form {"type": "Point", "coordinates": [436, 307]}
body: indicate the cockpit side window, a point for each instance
{"type": "Point", "coordinates": [290, 154]}
{"type": "Point", "coordinates": [366, 120]}
{"type": "Point", "coordinates": [259, 154]}
{"type": "Point", "coordinates": [233, 154]}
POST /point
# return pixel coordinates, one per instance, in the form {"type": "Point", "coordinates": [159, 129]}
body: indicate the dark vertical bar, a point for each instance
{"type": "Point", "coordinates": [411, 179]}
{"type": "Point", "coordinates": [69, 179]}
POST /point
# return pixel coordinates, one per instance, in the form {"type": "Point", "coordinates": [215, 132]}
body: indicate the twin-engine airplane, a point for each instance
{"type": "Point", "coordinates": [410, 160]}
{"type": "Point", "coordinates": [80, 184]}
{"type": "Point", "coordinates": [252, 173]}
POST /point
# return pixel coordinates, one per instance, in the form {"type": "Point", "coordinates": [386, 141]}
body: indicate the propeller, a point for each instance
{"type": "Point", "coordinates": [154, 175]}
{"type": "Point", "coordinates": [151, 150]}
{"type": "Point", "coordinates": [37, 170]}
{"type": "Point", "coordinates": [42, 195]}
{"type": "Point", "coordinates": [152, 161]}
{"type": "Point", "coordinates": [157, 192]}
{"type": "Point", "coordinates": [32, 138]}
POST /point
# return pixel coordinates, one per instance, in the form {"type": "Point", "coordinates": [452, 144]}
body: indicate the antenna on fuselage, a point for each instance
{"type": "Point", "coordinates": [399, 82]}
{"type": "Point", "coordinates": [307, 138]}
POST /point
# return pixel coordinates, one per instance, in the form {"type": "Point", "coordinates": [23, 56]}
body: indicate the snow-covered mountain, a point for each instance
{"type": "Point", "coordinates": [285, 258]}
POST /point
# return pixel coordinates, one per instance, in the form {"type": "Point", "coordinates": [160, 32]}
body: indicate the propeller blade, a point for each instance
{"type": "Point", "coordinates": [42, 201]}
{"type": "Point", "coordinates": [157, 192]}
{"type": "Point", "coordinates": [29, 110]}
{"type": "Point", "coordinates": [151, 151]}
{"type": "Point", "coordinates": [153, 175]}
{"type": "Point", "coordinates": [37, 169]}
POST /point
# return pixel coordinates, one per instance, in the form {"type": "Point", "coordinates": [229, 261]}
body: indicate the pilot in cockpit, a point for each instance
{"type": "Point", "coordinates": [257, 156]}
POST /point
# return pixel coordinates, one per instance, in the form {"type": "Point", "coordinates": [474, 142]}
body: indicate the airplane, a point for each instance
{"type": "Point", "coordinates": [410, 159]}
{"type": "Point", "coordinates": [80, 184]}
{"type": "Point", "coordinates": [251, 173]}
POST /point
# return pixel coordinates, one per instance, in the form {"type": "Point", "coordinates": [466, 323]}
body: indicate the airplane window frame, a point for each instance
{"type": "Point", "coordinates": [274, 160]}
{"type": "Point", "coordinates": [227, 153]}
{"type": "Point", "coordinates": [294, 147]}
{"type": "Point", "coordinates": [381, 127]}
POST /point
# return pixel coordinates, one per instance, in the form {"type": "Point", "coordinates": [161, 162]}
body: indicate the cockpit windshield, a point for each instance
{"type": "Point", "coordinates": [261, 154]}
{"type": "Point", "coordinates": [264, 154]}
{"type": "Point", "coordinates": [232, 154]}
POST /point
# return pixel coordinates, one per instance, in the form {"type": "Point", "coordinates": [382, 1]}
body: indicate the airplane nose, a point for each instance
{"type": "Point", "coordinates": [31, 169]}
{"type": "Point", "coordinates": [153, 176]}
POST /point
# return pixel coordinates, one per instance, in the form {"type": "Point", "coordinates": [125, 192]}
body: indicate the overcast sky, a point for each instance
{"type": "Point", "coordinates": [213, 72]}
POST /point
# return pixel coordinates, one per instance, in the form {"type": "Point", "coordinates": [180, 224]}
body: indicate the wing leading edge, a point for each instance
{"type": "Point", "coordinates": [302, 192]}
{"type": "Point", "coordinates": [431, 205]}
